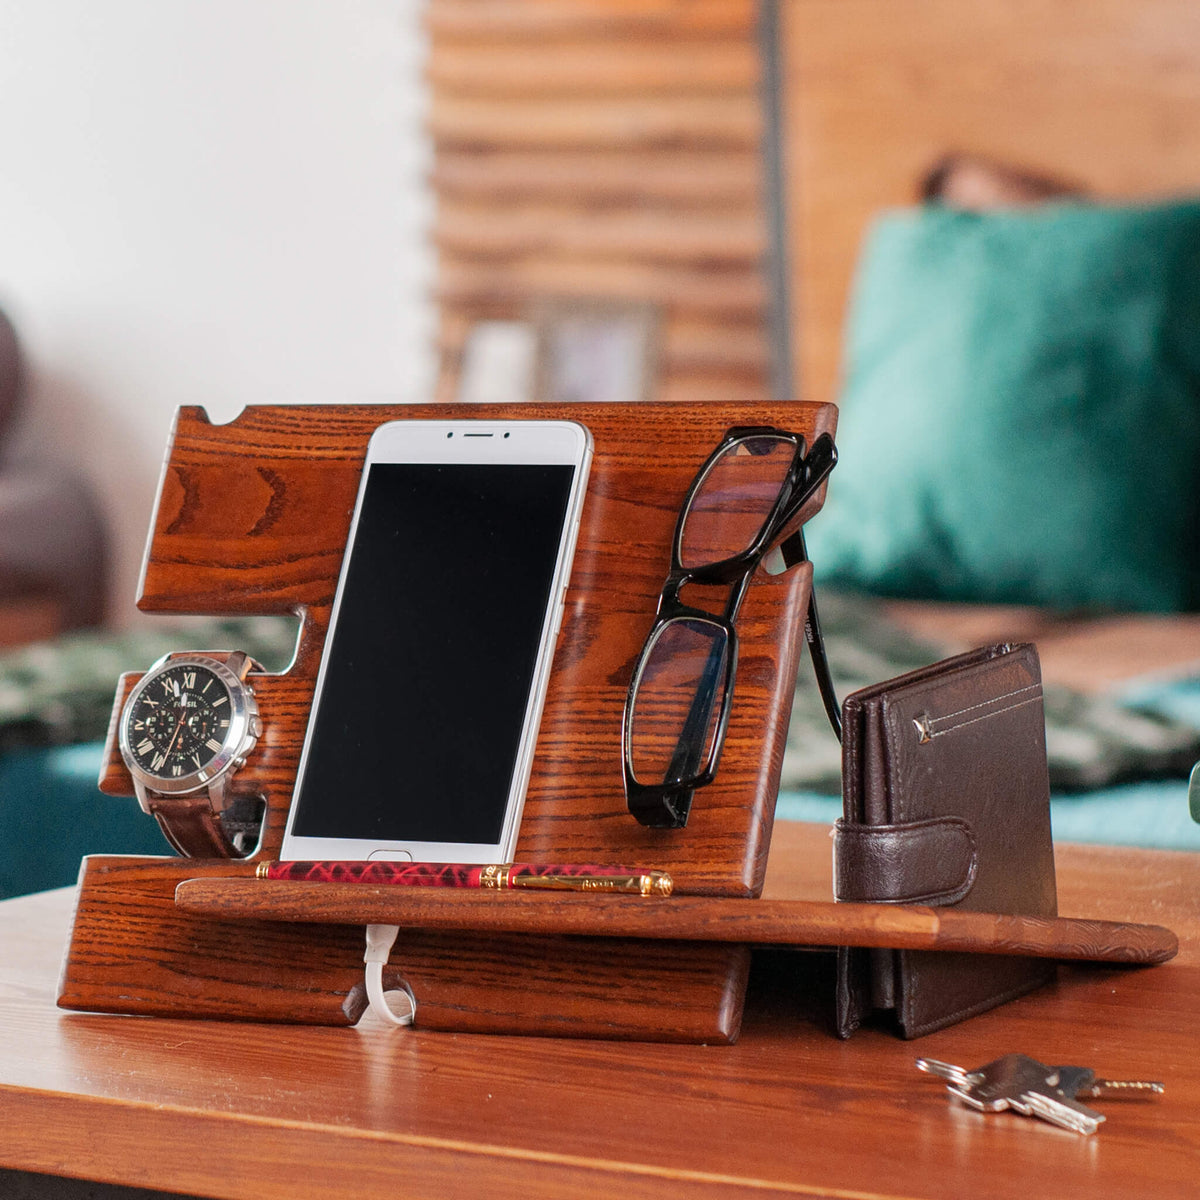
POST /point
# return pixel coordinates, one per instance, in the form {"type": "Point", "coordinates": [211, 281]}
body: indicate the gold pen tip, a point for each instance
{"type": "Point", "coordinates": [658, 883]}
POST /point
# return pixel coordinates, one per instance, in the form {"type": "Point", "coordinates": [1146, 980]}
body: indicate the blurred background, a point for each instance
{"type": "Point", "coordinates": [205, 203]}
{"type": "Point", "coordinates": [971, 223]}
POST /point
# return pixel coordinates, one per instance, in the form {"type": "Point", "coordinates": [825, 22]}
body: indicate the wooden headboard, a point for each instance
{"type": "Point", "coordinates": [1105, 93]}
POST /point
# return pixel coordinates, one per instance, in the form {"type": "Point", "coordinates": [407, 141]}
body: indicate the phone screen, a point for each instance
{"type": "Point", "coordinates": [417, 726]}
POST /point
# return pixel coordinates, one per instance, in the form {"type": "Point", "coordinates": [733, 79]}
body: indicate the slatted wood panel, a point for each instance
{"type": "Point", "coordinates": [610, 149]}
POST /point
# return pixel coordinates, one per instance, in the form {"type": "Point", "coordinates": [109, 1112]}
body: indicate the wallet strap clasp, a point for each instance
{"type": "Point", "coordinates": [916, 862]}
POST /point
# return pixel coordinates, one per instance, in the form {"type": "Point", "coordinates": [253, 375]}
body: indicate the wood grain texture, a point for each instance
{"type": "Point", "coordinates": [1106, 94]}
{"type": "Point", "coordinates": [254, 1112]}
{"type": "Point", "coordinates": [687, 178]}
{"type": "Point", "coordinates": [227, 541]}
{"type": "Point", "coordinates": [604, 149]}
{"type": "Point", "coordinates": [761, 922]}
{"type": "Point", "coordinates": [495, 21]}
{"type": "Point", "coordinates": [719, 289]}
{"type": "Point", "coordinates": [133, 950]}
{"type": "Point", "coordinates": [608, 123]}
{"type": "Point", "coordinates": [252, 517]}
{"type": "Point", "coordinates": [487, 230]}
{"type": "Point", "coordinates": [634, 66]}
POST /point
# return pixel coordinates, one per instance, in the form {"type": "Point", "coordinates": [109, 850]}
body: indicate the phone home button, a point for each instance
{"type": "Point", "coordinates": [389, 856]}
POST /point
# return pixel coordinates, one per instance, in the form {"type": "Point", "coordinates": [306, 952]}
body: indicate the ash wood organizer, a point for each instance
{"type": "Point", "coordinates": [252, 518]}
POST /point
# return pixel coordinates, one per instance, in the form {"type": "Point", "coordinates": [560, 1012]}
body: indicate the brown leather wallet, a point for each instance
{"type": "Point", "coordinates": [946, 801]}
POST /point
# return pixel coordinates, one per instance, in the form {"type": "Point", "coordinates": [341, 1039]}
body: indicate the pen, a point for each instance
{"type": "Point", "coordinates": [493, 876]}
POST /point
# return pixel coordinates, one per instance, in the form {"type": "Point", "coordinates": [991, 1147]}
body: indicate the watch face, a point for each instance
{"type": "Point", "coordinates": [183, 724]}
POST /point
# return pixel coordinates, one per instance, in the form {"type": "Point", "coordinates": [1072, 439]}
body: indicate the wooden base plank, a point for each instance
{"type": "Point", "coordinates": [133, 950]}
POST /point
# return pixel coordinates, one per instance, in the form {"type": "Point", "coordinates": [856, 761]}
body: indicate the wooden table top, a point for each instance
{"type": "Point", "coordinates": [239, 1110]}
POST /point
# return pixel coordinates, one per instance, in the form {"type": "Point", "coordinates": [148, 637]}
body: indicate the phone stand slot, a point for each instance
{"type": "Point", "coordinates": [252, 518]}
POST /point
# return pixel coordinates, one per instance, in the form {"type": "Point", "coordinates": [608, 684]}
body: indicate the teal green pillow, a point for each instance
{"type": "Point", "coordinates": [1020, 419]}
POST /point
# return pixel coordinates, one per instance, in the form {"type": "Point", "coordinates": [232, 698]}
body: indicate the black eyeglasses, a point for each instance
{"type": "Point", "coordinates": [737, 511]}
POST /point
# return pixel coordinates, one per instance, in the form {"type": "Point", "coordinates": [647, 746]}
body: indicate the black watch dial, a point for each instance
{"type": "Point", "coordinates": [179, 723]}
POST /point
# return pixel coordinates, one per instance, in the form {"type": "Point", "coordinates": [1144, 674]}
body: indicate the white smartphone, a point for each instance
{"type": "Point", "coordinates": [429, 694]}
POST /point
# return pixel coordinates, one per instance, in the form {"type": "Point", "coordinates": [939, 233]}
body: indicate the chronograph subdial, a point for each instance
{"type": "Point", "coordinates": [186, 722]}
{"type": "Point", "coordinates": [180, 724]}
{"type": "Point", "coordinates": [185, 729]}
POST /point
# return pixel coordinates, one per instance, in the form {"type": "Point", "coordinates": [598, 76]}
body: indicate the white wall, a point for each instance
{"type": "Point", "coordinates": [216, 202]}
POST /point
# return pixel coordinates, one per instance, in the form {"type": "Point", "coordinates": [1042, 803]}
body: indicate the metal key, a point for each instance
{"type": "Point", "coordinates": [1074, 1082]}
{"type": "Point", "coordinates": [1050, 1092]}
{"type": "Point", "coordinates": [947, 1071]}
{"type": "Point", "coordinates": [1015, 1082]}
{"type": "Point", "coordinates": [1021, 1083]}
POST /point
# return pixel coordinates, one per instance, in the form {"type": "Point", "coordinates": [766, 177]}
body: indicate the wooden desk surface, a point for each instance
{"type": "Point", "coordinates": [237, 1110]}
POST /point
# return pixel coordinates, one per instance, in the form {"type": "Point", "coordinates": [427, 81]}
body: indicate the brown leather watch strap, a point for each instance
{"type": "Point", "coordinates": [191, 826]}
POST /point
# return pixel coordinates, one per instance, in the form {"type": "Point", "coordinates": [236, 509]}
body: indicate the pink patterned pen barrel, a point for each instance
{"type": "Point", "coordinates": [493, 876]}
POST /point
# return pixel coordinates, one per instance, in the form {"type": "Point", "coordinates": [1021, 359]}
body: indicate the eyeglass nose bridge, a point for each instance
{"type": "Point", "coordinates": [671, 602]}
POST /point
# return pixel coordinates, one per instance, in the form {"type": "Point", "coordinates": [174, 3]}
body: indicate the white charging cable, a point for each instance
{"type": "Point", "coordinates": [380, 939]}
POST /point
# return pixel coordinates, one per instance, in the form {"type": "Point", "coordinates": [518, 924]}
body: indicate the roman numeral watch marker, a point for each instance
{"type": "Point", "coordinates": [185, 730]}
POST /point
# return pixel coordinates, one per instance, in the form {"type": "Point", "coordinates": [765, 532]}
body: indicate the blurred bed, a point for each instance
{"type": "Point", "coordinates": [992, 210]}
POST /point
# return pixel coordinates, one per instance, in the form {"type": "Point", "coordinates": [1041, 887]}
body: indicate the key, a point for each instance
{"type": "Point", "coordinates": [1051, 1105]}
{"type": "Point", "coordinates": [1026, 1086]}
{"type": "Point", "coordinates": [1074, 1082]}
{"type": "Point", "coordinates": [944, 1070]}
{"type": "Point", "coordinates": [1019, 1083]}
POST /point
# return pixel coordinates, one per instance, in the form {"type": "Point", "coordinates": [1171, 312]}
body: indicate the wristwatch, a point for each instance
{"type": "Point", "coordinates": [185, 731]}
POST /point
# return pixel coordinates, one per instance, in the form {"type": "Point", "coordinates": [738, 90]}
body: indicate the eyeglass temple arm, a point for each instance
{"type": "Point", "coordinates": [820, 664]}
{"type": "Point", "coordinates": [689, 751]}
{"type": "Point", "coordinates": [794, 551]}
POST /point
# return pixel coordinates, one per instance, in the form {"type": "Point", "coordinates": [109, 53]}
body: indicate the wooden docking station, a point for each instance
{"type": "Point", "coordinates": [252, 518]}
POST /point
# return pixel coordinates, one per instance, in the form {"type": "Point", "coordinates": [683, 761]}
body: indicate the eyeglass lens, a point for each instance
{"type": "Point", "coordinates": [676, 713]}
{"type": "Point", "coordinates": [734, 499]}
